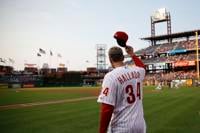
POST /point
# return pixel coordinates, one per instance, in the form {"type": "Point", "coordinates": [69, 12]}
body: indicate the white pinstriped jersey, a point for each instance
{"type": "Point", "coordinates": [122, 88]}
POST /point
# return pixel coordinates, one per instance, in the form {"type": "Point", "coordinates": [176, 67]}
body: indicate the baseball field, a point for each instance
{"type": "Point", "coordinates": [75, 110]}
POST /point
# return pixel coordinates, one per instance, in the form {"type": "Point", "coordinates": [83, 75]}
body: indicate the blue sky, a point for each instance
{"type": "Point", "coordinates": [74, 27]}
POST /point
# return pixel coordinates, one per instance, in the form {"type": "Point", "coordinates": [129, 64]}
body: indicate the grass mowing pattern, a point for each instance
{"type": "Point", "coordinates": [16, 96]}
{"type": "Point", "coordinates": [78, 117]}
{"type": "Point", "coordinates": [166, 111]}
{"type": "Point", "coordinates": [173, 111]}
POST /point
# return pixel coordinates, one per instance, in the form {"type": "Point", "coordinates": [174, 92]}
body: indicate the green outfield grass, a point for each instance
{"type": "Point", "coordinates": [28, 95]}
{"type": "Point", "coordinates": [166, 111]}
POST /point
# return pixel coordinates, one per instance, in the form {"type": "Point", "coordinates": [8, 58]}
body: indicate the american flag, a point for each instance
{"type": "Point", "coordinates": [42, 51]}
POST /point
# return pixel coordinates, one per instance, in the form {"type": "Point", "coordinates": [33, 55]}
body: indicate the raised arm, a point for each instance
{"type": "Point", "coordinates": [137, 61]}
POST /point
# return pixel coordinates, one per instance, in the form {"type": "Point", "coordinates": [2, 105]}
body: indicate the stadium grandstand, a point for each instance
{"type": "Point", "coordinates": [167, 61]}
{"type": "Point", "coordinates": [172, 56]}
{"type": "Point", "coordinates": [31, 77]}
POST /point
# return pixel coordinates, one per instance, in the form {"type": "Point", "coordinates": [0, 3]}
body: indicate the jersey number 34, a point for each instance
{"type": "Point", "coordinates": [130, 91]}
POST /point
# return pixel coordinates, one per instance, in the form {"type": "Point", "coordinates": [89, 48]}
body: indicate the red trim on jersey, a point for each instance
{"type": "Point", "coordinates": [137, 61]}
{"type": "Point", "coordinates": [105, 117]}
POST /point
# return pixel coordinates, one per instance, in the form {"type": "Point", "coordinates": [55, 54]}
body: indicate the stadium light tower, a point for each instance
{"type": "Point", "coordinates": [159, 16]}
{"type": "Point", "coordinates": [101, 56]}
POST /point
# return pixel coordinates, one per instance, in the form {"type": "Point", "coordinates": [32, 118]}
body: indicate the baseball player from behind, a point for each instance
{"type": "Point", "coordinates": [121, 95]}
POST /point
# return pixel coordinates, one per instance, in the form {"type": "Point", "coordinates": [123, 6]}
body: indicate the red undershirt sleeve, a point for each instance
{"type": "Point", "coordinates": [138, 61]}
{"type": "Point", "coordinates": [105, 117]}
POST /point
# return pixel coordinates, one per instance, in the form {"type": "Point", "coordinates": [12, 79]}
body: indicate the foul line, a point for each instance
{"type": "Point", "coordinates": [17, 106]}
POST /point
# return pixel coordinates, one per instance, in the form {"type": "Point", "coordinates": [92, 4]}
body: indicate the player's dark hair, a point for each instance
{"type": "Point", "coordinates": [116, 54]}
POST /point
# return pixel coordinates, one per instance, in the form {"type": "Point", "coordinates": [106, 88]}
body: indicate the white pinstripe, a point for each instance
{"type": "Point", "coordinates": [127, 117]}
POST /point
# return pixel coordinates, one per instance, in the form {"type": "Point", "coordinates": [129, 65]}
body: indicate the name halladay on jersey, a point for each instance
{"type": "Point", "coordinates": [128, 76]}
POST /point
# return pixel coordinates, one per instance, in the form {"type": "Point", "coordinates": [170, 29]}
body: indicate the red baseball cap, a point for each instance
{"type": "Point", "coordinates": [120, 35]}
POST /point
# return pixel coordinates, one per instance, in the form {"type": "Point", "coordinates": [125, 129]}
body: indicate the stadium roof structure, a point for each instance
{"type": "Point", "coordinates": [186, 34]}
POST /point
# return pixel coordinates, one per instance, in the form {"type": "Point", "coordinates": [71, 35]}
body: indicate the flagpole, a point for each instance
{"type": "Point", "coordinates": [9, 64]}
{"type": "Point", "coordinates": [38, 62]}
{"type": "Point", "coordinates": [67, 63]}
{"type": "Point", "coordinates": [197, 54]}
{"type": "Point", "coordinates": [50, 60]}
{"type": "Point", "coordinates": [57, 61]}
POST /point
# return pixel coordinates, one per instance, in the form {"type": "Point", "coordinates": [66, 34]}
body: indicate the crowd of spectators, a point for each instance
{"type": "Point", "coordinates": [187, 45]}
{"type": "Point", "coordinates": [163, 48]}
{"type": "Point", "coordinates": [171, 58]}
{"type": "Point", "coordinates": [188, 57]}
{"type": "Point", "coordinates": [148, 51]}
{"type": "Point", "coordinates": [154, 59]}
{"type": "Point", "coordinates": [161, 52]}
{"type": "Point", "coordinates": [171, 76]}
